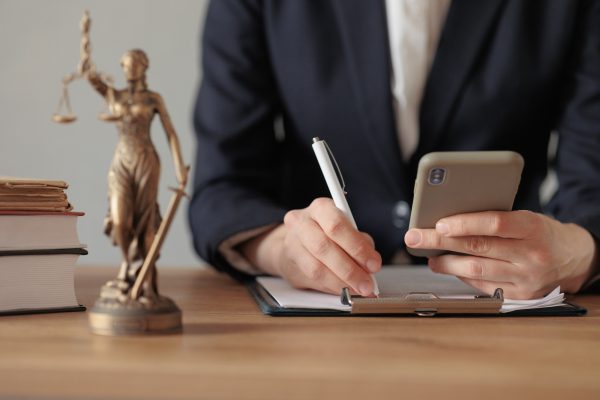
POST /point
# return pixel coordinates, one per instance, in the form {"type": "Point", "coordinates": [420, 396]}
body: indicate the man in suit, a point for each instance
{"type": "Point", "coordinates": [385, 82]}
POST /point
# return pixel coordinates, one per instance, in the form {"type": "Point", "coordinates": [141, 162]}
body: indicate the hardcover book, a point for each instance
{"type": "Point", "coordinates": [37, 281]}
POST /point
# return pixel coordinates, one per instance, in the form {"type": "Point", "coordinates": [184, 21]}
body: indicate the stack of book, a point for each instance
{"type": "Point", "coordinates": [39, 247]}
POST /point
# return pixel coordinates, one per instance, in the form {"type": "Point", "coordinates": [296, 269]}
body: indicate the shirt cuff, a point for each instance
{"type": "Point", "coordinates": [233, 256]}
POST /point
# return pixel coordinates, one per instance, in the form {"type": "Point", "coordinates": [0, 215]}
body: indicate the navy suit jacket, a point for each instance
{"type": "Point", "coordinates": [277, 73]}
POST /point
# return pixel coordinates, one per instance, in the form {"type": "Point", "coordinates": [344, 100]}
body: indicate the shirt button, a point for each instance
{"type": "Point", "coordinates": [401, 215]}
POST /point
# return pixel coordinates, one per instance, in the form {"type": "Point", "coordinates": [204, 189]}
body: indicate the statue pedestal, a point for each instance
{"type": "Point", "coordinates": [116, 314]}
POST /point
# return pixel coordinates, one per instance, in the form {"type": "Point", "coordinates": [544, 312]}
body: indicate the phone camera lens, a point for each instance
{"type": "Point", "coordinates": [436, 176]}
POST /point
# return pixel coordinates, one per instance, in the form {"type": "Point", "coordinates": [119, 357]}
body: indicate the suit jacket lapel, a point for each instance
{"type": "Point", "coordinates": [363, 31]}
{"type": "Point", "coordinates": [467, 28]}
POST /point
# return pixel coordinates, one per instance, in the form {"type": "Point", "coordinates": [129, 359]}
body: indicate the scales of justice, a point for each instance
{"type": "Point", "coordinates": [130, 303]}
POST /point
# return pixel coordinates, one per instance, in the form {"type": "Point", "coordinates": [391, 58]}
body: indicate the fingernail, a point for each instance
{"type": "Point", "coordinates": [373, 265]}
{"type": "Point", "coordinates": [442, 228]}
{"type": "Point", "coordinates": [365, 288]}
{"type": "Point", "coordinates": [412, 238]}
{"type": "Point", "coordinates": [431, 264]}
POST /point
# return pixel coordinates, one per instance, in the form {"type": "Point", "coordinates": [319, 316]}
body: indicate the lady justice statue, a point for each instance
{"type": "Point", "coordinates": [131, 302]}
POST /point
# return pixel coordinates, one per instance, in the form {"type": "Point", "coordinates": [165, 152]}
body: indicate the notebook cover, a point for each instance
{"type": "Point", "coordinates": [269, 306]}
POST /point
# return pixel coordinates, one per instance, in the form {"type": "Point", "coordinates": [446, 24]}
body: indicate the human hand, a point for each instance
{"type": "Point", "coordinates": [317, 248]}
{"type": "Point", "coordinates": [526, 254]}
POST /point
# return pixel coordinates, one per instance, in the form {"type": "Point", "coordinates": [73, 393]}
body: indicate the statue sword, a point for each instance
{"type": "Point", "coordinates": [152, 255]}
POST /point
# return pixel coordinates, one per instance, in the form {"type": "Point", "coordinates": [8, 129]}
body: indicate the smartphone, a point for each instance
{"type": "Point", "coordinates": [458, 182]}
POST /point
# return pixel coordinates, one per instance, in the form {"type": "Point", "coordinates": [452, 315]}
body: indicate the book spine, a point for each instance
{"type": "Point", "coordinates": [38, 252]}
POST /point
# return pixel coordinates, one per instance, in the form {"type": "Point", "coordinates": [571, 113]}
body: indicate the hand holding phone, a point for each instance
{"type": "Point", "coordinates": [450, 183]}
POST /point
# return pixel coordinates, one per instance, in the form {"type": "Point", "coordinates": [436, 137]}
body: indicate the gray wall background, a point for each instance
{"type": "Point", "coordinates": [39, 44]}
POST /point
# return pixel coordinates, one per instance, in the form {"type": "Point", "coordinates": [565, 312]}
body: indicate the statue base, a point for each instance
{"type": "Point", "coordinates": [116, 315]}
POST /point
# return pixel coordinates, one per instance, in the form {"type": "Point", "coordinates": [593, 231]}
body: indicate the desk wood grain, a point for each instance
{"type": "Point", "coordinates": [229, 350]}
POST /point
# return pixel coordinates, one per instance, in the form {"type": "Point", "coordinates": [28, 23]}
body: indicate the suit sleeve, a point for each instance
{"type": "Point", "coordinates": [577, 199]}
{"type": "Point", "coordinates": [237, 169]}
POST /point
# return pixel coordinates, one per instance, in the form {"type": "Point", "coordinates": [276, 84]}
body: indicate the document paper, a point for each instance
{"type": "Point", "coordinates": [398, 281]}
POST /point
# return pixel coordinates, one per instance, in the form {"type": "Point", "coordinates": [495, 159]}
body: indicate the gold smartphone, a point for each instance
{"type": "Point", "coordinates": [450, 183]}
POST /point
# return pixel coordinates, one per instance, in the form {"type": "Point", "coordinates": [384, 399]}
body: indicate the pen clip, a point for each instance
{"type": "Point", "coordinates": [337, 167]}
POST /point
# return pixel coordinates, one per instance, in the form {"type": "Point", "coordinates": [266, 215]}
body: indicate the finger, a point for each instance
{"type": "Point", "coordinates": [506, 224]}
{"type": "Point", "coordinates": [301, 229]}
{"type": "Point", "coordinates": [511, 250]}
{"type": "Point", "coordinates": [339, 229]}
{"type": "Point", "coordinates": [475, 268]}
{"type": "Point", "coordinates": [369, 238]}
{"type": "Point", "coordinates": [306, 272]}
{"type": "Point", "coordinates": [326, 251]}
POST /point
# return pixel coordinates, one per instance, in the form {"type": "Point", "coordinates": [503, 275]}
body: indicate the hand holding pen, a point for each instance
{"type": "Point", "coordinates": [323, 251]}
{"type": "Point", "coordinates": [319, 248]}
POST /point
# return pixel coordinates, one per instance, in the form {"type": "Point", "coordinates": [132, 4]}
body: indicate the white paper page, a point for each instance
{"type": "Point", "coordinates": [553, 298]}
{"type": "Point", "coordinates": [289, 297]}
{"type": "Point", "coordinates": [397, 281]}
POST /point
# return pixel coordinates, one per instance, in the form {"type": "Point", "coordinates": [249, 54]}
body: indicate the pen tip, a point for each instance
{"type": "Point", "coordinates": [316, 139]}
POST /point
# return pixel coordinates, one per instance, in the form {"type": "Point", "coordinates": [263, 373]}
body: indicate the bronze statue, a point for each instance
{"type": "Point", "coordinates": [131, 303]}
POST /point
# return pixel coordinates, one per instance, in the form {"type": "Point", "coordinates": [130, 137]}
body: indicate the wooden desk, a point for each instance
{"type": "Point", "coordinates": [230, 350]}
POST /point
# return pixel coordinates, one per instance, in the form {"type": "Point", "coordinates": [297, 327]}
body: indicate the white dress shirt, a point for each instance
{"type": "Point", "coordinates": [414, 28]}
